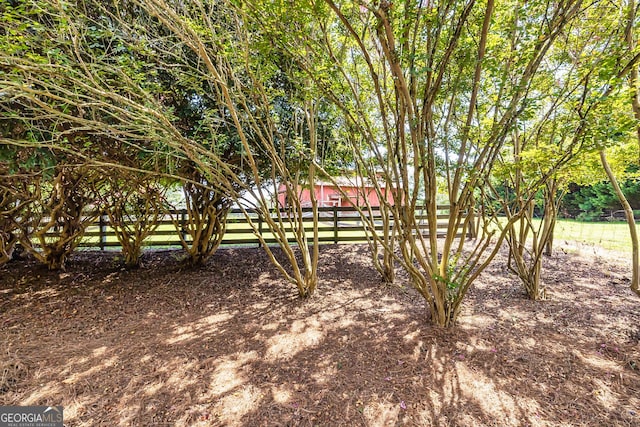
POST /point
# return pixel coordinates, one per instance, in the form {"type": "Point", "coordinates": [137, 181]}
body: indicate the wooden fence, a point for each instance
{"type": "Point", "coordinates": [336, 225]}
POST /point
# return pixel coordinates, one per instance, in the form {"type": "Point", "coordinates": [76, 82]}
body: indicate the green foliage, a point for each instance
{"type": "Point", "coordinates": [598, 201]}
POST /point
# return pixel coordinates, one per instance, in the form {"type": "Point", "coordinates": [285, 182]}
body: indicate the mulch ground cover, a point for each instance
{"type": "Point", "coordinates": [231, 344]}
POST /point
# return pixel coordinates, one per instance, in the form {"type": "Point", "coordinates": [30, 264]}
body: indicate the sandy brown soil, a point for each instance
{"type": "Point", "coordinates": [231, 344]}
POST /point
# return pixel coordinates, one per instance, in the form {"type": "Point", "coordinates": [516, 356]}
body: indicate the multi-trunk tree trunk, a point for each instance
{"type": "Point", "coordinates": [61, 215]}
{"type": "Point", "coordinates": [530, 238]}
{"type": "Point", "coordinates": [134, 204]}
{"type": "Point", "coordinates": [203, 226]}
{"type": "Point", "coordinates": [17, 193]}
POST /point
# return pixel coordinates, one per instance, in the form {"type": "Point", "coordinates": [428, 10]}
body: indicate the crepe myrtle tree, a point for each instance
{"type": "Point", "coordinates": [18, 190]}
{"type": "Point", "coordinates": [240, 78]}
{"type": "Point", "coordinates": [60, 215]}
{"type": "Point", "coordinates": [134, 202]}
{"type": "Point", "coordinates": [587, 114]}
{"type": "Point", "coordinates": [47, 195]}
{"type": "Point", "coordinates": [552, 131]}
{"type": "Point", "coordinates": [15, 191]}
{"type": "Point", "coordinates": [202, 229]}
{"type": "Point", "coordinates": [433, 89]}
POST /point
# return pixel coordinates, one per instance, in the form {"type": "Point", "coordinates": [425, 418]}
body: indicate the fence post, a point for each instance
{"type": "Point", "coordinates": [472, 223]}
{"type": "Point", "coordinates": [183, 224]}
{"type": "Point", "coordinates": [335, 224]}
{"type": "Point", "coordinates": [259, 228]}
{"type": "Point", "coordinates": [103, 231]}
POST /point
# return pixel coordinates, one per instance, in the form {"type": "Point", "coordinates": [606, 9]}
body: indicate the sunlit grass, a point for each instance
{"type": "Point", "coordinates": [612, 236]}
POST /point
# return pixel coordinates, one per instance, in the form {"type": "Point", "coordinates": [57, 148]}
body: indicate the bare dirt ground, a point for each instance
{"type": "Point", "coordinates": [231, 344]}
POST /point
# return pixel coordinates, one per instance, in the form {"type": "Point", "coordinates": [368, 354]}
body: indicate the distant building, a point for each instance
{"type": "Point", "coordinates": [356, 193]}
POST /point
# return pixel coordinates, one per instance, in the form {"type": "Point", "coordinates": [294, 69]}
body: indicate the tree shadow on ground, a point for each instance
{"type": "Point", "coordinates": [230, 344]}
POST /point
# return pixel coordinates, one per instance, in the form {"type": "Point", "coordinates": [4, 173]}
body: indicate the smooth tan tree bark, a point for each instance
{"type": "Point", "coordinates": [628, 212]}
{"type": "Point", "coordinates": [634, 91]}
{"type": "Point", "coordinates": [18, 192]}
{"type": "Point", "coordinates": [134, 205]}
{"type": "Point", "coordinates": [60, 216]}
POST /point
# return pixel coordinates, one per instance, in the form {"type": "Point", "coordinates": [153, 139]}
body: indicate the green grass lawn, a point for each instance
{"type": "Point", "coordinates": [608, 235]}
{"type": "Point", "coordinates": [612, 236]}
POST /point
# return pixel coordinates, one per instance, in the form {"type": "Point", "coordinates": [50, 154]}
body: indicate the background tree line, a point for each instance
{"type": "Point", "coordinates": [599, 202]}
